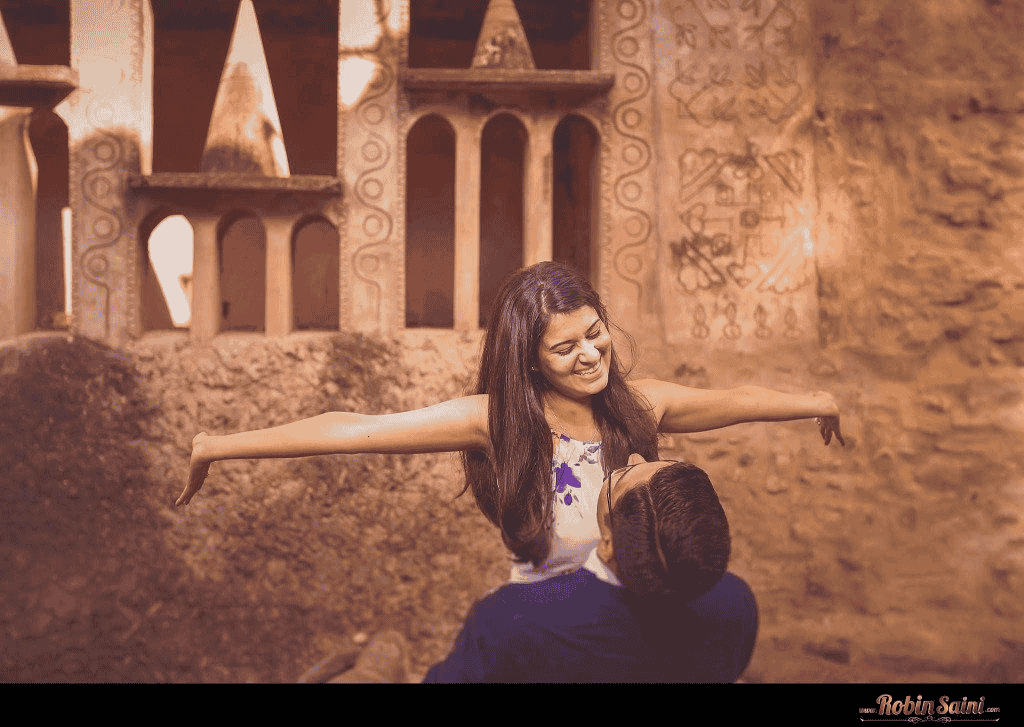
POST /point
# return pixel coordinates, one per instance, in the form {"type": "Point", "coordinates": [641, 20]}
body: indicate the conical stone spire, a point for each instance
{"type": "Point", "coordinates": [245, 131]}
{"type": "Point", "coordinates": [7, 59]}
{"type": "Point", "coordinates": [502, 42]}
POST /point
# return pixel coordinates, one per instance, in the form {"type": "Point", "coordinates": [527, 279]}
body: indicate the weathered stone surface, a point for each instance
{"type": "Point", "coordinates": [897, 558]}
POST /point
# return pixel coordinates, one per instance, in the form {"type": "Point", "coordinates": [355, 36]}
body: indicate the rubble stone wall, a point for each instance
{"type": "Point", "coordinates": [900, 557]}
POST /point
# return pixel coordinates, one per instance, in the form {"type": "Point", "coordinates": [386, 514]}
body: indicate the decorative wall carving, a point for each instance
{"type": "Point", "coordinates": [104, 137]}
{"type": "Point", "coordinates": [737, 265]}
{"type": "Point", "coordinates": [102, 222]}
{"type": "Point", "coordinates": [371, 153]}
{"type": "Point", "coordinates": [767, 85]}
{"type": "Point", "coordinates": [734, 209]}
{"type": "Point", "coordinates": [625, 42]}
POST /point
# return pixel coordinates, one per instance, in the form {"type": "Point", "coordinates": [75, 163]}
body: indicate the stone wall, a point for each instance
{"type": "Point", "coordinates": [276, 563]}
{"type": "Point", "coordinates": [895, 559]}
{"type": "Point", "coordinates": [901, 557]}
{"type": "Point", "coordinates": [356, 539]}
{"type": "Point", "coordinates": [735, 196]}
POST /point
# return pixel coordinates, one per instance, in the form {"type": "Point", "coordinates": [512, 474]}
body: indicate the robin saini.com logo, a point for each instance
{"type": "Point", "coordinates": [946, 709]}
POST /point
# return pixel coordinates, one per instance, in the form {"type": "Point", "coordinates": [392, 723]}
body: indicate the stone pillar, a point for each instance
{"type": "Point", "coordinates": [106, 122]}
{"type": "Point", "coordinates": [628, 255]}
{"type": "Point", "coordinates": [17, 224]}
{"type": "Point", "coordinates": [206, 314]}
{"type": "Point", "coordinates": [537, 193]}
{"type": "Point", "coordinates": [467, 229]}
{"type": "Point", "coordinates": [279, 312]}
{"type": "Point", "coordinates": [369, 54]}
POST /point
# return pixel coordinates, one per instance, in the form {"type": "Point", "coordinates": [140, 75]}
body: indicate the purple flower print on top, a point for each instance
{"type": "Point", "coordinates": [565, 477]}
{"type": "Point", "coordinates": [592, 453]}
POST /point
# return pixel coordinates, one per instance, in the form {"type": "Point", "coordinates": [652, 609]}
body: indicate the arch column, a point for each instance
{"type": "Point", "coordinates": [279, 303]}
{"type": "Point", "coordinates": [107, 120]}
{"type": "Point", "coordinates": [466, 297]}
{"type": "Point", "coordinates": [538, 204]}
{"type": "Point", "coordinates": [205, 323]}
{"type": "Point", "coordinates": [17, 224]}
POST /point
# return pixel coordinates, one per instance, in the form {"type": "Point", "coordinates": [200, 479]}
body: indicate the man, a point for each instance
{"type": "Point", "coordinates": [653, 603]}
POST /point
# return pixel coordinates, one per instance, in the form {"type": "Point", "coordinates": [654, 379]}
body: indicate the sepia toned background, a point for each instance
{"type": "Point", "coordinates": [800, 194]}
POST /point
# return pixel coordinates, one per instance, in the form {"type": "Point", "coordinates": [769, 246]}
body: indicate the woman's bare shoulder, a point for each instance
{"type": "Point", "coordinates": [476, 407]}
{"type": "Point", "coordinates": [448, 426]}
{"type": "Point", "coordinates": [477, 404]}
{"type": "Point", "coordinates": [472, 411]}
{"type": "Point", "coordinates": [651, 392]}
{"type": "Point", "coordinates": [646, 387]}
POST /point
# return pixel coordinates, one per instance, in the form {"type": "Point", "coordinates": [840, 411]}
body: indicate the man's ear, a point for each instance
{"type": "Point", "coordinates": [605, 546]}
{"type": "Point", "coordinates": [605, 551]}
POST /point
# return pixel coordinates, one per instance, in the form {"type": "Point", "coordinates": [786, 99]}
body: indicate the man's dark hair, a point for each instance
{"type": "Point", "coordinates": [671, 535]}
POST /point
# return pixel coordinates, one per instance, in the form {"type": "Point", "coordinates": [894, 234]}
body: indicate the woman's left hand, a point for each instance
{"type": "Point", "coordinates": [828, 426]}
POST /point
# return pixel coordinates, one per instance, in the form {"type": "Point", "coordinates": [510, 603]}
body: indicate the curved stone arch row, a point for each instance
{"type": "Point", "coordinates": [249, 271]}
{"type": "Point", "coordinates": [34, 284]}
{"type": "Point", "coordinates": [455, 261]}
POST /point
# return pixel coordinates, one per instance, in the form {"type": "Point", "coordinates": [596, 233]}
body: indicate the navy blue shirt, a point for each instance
{"type": "Point", "coordinates": [578, 628]}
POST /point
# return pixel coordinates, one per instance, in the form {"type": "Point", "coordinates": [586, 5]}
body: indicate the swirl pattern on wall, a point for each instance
{"type": "Point", "coordinates": [377, 222]}
{"type": "Point", "coordinates": [628, 118]}
{"type": "Point", "coordinates": [103, 222]}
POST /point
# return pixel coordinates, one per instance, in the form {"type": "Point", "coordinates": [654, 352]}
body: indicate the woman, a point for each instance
{"type": "Point", "coordinates": [550, 390]}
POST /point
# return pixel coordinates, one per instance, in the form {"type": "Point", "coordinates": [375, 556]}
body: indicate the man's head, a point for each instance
{"type": "Point", "coordinates": [665, 530]}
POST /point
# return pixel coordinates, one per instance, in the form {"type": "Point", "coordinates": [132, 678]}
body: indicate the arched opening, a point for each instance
{"type": "Point", "coordinates": [430, 224]}
{"type": "Point", "coordinates": [243, 274]}
{"type": "Point", "coordinates": [502, 155]}
{"type": "Point", "coordinates": [315, 270]}
{"type": "Point", "coordinates": [40, 31]}
{"type": "Point", "coordinates": [189, 49]}
{"type": "Point", "coordinates": [443, 33]}
{"type": "Point", "coordinates": [48, 136]}
{"type": "Point", "coordinates": [575, 194]}
{"type": "Point", "coordinates": [300, 43]}
{"type": "Point", "coordinates": [166, 271]}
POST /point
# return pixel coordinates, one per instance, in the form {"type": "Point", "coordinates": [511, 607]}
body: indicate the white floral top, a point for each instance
{"type": "Point", "coordinates": [577, 477]}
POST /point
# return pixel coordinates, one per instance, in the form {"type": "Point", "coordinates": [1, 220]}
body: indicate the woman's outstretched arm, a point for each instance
{"type": "Point", "coordinates": [681, 409]}
{"type": "Point", "coordinates": [455, 425]}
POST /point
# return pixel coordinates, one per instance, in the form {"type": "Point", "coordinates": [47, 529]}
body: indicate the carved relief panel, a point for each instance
{"type": "Point", "coordinates": [737, 206]}
{"type": "Point", "coordinates": [368, 138]}
{"type": "Point", "coordinates": [106, 119]}
{"type": "Point", "coordinates": [628, 163]}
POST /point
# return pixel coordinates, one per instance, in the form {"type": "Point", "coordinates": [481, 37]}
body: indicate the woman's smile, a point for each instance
{"type": "Point", "coordinates": [587, 373]}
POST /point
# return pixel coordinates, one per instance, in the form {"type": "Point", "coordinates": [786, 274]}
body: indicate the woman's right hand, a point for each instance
{"type": "Point", "coordinates": [198, 468]}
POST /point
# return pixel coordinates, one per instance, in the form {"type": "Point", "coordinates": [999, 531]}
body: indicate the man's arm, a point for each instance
{"type": "Point", "coordinates": [496, 643]}
{"type": "Point", "coordinates": [468, 661]}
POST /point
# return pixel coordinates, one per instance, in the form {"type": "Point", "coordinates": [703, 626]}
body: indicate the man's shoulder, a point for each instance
{"type": "Point", "coordinates": [537, 598]}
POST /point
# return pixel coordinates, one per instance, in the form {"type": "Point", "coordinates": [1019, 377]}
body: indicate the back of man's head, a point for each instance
{"type": "Point", "coordinates": [671, 535]}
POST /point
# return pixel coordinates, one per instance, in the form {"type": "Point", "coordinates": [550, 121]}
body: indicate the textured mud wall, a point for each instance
{"type": "Point", "coordinates": [275, 563]}
{"type": "Point", "coordinates": [900, 557]}
{"type": "Point", "coordinates": [920, 129]}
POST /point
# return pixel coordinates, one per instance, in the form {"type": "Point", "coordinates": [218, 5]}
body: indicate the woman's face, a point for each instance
{"type": "Point", "coordinates": [575, 352]}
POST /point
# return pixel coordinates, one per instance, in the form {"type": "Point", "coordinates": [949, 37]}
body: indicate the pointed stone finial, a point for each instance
{"type": "Point", "coordinates": [502, 42]}
{"type": "Point", "coordinates": [7, 58]}
{"type": "Point", "coordinates": [245, 131]}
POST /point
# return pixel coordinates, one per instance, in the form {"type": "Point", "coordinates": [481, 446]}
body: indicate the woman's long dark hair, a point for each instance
{"type": "Point", "coordinates": [512, 483]}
